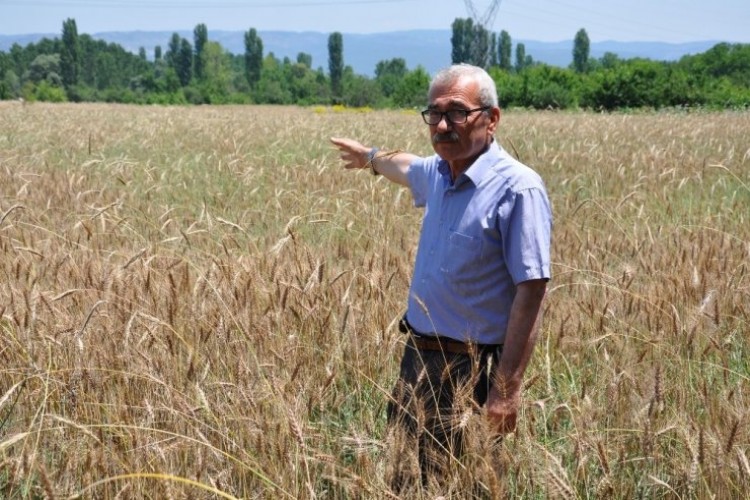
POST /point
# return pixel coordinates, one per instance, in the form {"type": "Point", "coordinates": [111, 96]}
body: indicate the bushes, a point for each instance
{"type": "Point", "coordinates": [547, 87]}
{"type": "Point", "coordinates": [43, 91]}
{"type": "Point", "coordinates": [620, 84]}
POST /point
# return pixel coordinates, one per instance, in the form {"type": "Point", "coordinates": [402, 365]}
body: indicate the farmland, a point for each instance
{"type": "Point", "coordinates": [199, 302]}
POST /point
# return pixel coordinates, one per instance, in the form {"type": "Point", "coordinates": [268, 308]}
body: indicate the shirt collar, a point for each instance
{"type": "Point", "coordinates": [477, 170]}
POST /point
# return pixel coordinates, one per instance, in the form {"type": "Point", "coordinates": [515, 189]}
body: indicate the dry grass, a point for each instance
{"type": "Point", "coordinates": [199, 302]}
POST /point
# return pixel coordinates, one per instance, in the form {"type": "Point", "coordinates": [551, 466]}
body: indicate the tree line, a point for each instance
{"type": "Point", "coordinates": [717, 78]}
{"type": "Point", "coordinates": [78, 68]}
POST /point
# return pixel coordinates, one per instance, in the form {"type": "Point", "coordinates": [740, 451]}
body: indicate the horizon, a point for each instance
{"type": "Point", "coordinates": [430, 50]}
{"type": "Point", "coordinates": [669, 21]}
{"type": "Point", "coordinates": [318, 32]}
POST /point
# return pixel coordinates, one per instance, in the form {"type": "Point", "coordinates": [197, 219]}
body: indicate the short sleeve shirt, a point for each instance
{"type": "Point", "coordinates": [481, 236]}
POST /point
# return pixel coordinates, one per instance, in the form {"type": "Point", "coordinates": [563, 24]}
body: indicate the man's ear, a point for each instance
{"type": "Point", "coordinates": [494, 120]}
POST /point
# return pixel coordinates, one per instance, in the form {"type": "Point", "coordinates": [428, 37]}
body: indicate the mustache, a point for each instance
{"type": "Point", "coordinates": [446, 137]}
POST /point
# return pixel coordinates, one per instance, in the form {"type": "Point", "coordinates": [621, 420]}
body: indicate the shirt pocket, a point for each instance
{"type": "Point", "coordinates": [462, 253]}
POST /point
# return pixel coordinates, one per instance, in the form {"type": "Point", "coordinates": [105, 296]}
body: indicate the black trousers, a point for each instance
{"type": "Point", "coordinates": [430, 405]}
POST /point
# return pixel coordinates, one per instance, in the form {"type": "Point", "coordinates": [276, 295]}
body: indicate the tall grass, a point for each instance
{"type": "Point", "coordinates": [199, 302]}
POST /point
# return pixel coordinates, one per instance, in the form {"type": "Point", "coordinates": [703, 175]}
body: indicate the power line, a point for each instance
{"type": "Point", "coordinates": [199, 4]}
{"type": "Point", "coordinates": [576, 13]}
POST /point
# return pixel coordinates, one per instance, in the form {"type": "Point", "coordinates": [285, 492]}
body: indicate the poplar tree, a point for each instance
{"type": "Point", "coordinates": [480, 46]}
{"type": "Point", "coordinates": [504, 50]}
{"type": "Point", "coordinates": [581, 47]}
{"type": "Point", "coordinates": [172, 50]}
{"type": "Point", "coordinates": [184, 66]}
{"type": "Point", "coordinates": [520, 57]}
{"type": "Point", "coordinates": [253, 57]}
{"type": "Point", "coordinates": [494, 51]}
{"type": "Point", "coordinates": [200, 38]}
{"type": "Point", "coordinates": [470, 43]}
{"type": "Point", "coordinates": [336, 63]}
{"type": "Point", "coordinates": [70, 61]}
{"type": "Point", "coordinates": [461, 40]}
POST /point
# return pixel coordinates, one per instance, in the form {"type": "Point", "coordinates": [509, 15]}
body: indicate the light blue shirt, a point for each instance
{"type": "Point", "coordinates": [481, 236]}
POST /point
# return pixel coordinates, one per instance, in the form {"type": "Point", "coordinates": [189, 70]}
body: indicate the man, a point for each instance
{"type": "Point", "coordinates": [481, 269]}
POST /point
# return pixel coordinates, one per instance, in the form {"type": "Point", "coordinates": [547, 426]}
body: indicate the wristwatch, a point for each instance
{"type": "Point", "coordinates": [371, 161]}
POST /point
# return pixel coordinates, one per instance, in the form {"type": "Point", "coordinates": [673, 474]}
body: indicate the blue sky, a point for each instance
{"type": "Point", "coordinates": [544, 20]}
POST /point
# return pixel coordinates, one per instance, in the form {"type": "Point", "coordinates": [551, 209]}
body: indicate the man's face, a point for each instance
{"type": "Point", "coordinates": [461, 143]}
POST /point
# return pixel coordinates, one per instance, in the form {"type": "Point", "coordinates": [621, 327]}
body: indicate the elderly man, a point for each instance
{"type": "Point", "coordinates": [481, 269]}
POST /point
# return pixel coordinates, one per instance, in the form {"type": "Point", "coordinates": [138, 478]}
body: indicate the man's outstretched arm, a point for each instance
{"type": "Point", "coordinates": [393, 166]}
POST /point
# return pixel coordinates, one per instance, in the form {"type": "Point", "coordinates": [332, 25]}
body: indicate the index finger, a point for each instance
{"type": "Point", "coordinates": [340, 142]}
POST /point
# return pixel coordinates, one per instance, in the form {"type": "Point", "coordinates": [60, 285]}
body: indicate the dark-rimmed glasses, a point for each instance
{"type": "Point", "coordinates": [454, 116]}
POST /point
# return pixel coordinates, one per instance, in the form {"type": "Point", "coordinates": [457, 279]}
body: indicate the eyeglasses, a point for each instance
{"type": "Point", "coordinates": [454, 116]}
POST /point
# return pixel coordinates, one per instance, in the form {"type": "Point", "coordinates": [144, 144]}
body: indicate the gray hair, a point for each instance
{"type": "Point", "coordinates": [487, 87]}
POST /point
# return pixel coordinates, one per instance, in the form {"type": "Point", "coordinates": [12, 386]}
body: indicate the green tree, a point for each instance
{"type": "Point", "coordinates": [462, 30]}
{"type": "Point", "coordinates": [105, 65]}
{"type": "Point", "coordinates": [470, 43]}
{"type": "Point", "coordinates": [581, 47]}
{"type": "Point", "coordinates": [45, 67]}
{"type": "Point", "coordinates": [494, 59]}
{"type": "Point", "coordinates": [216, 85]}
{"type": "Point", "coordinates": [273, 85]}
{"type": "Point", "coordinates": [480, 47]}
{"type": "Point", "coordinates": [8, 79]}
{"type": "Point", "coordinates": [722, 92]}
{"type": "Point", "coordinates": [359, 91]}
{"type": "Point", "coordinates": [106, 70]}
{"type": "Point", "coordinates": [412, 91]}
{"type": "Point", "coordinates": [504, 50]}
{"type": "Point", "coordinates": [171, 81]}
{"type": "Point", "coordinates": [336, 64]}
{"type": "Point", "coordinates": [305, 85]}
{"type": "Point", "coordinates": [304, 59]}
{"type": "Point", "coordinates": [509, 87]}
{"type": "Point", "coordinates": [184, 63]}
{"type": "Point", "coordinates": [10, 85]}
{"type": "Point", "coordinates": [520, 57]}
{"type": "Point", "coordinates": [389, 74]}
{"type": "Point", "coordinates": [609, 60]}
{"type": "Point", "coordinates": [49, 92]}
{"type": "Point", "coordinates": [157, 53]}
{"type": "Point", "coordinates": [549, 87]}
{"type": "Point", "coordinates": [200, 38]}
{"type": "Point", "coordinates": [70, 55]}
{"type": "Point", "coordinates": [721, 60]}
{"type": "Point", "coordinates": [633, 83]}
{"type": "Point", "coordinates": [680, 89]}
{"type": "Point", "coordinates": [19, 59]}
{"type": "Point", "coordinates": [253, 57]}
{"type": "Point", "coordinates": [6, 63]}
{"type": "Point", "coordinates": [173, 49]}
{"type": "Point", "coordinates": [90, 52]}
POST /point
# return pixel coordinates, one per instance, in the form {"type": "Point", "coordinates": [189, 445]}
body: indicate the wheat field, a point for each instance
{"type": "Point", "coordinates": [199, 302]}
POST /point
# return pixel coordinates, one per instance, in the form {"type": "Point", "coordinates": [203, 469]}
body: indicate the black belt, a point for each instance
{"type": "Point", "coordinates": [444, 344]}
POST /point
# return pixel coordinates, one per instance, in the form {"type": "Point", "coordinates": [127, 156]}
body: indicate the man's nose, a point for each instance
{"type": "Point", "coordinates": [444, 124]}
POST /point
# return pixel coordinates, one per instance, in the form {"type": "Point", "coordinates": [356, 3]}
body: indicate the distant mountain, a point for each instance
{"type": "Point", "coordinates": [429, 48]}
